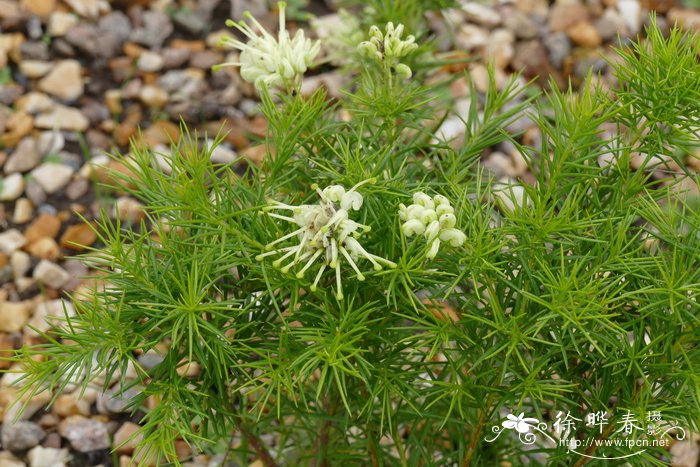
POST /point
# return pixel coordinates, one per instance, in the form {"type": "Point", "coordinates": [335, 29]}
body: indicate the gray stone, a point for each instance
{"type": "Point", "coordinates": [84, 434]}
{"type": "Point", "coordinates": [558, 46]}
{"type": "Point", "coordinates": [50, 274]}
{"type": "Point", "coordinates": [21, 435]}
{"type": "Point", "coordinates": [156, 28]}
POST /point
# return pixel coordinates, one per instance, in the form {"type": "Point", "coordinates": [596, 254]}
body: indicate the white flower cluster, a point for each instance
{"type": "Point", "coordinates": [325, 233]}
{"type": "Point", "coordinates": [266, 61]}
{"type": "Point", "coordinates": [434, 219]}
{"type": "Point", "coordinates": [388, 47]}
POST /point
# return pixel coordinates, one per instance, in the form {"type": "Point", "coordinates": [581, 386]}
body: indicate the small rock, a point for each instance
{"type": "Point", "coordinates": [8, 460]}
{"type": "Point", "coordinates": [530, 57]}
{"type": "Point", "coordinates": [64, 81]}
{"type": "Point", "coordinates": [77, 189]}
{"type": "Point", "coordinates": [50, 274]}
{"type": "Point", "coordinates": [34, 50]}
{"type": "Point", "coordinates": [44, 248]}
{"type": "Point", "coordinates": [585, 34]}
{"type": "Point", "coordinates": [175, 57]}
{"type": "Point", "coordinates": [69, 404]}
{"type": "Point", "coordinates": [60, 23]}
{"type": "Point", "coordinates": [520, 24]}
{"type": "Point", "coordinates": [34, 69]}
{"type": "Point", "coordinates": [481, 14]}
{"type": "Point", "coordinates": [223, 155]}
{"type": "Point", "coordinates": [205, 59]}
{"type": "Point", "coordinates": [499, 49]}
{"type": "Point", "coordinates": [116, 23]}
{"type": "Point", "coordinates": [13, 316]}
{"type": "Point", "coordinates": [156, 28]}
{"type": "Point", "coordinates": [471, 37]}
{"type": "Point", "coordinates": [190, 21]}
{"type": "Point", "coordinates": [610, 24]}
{"type": "Point", "coordinates": [39, 7]}
{"type": "Point", "coordinates": [125, 439]}
{"type": "Point", "coordinates": [52, 177]}
{"type": "Point", "coordinates": [24, 210]}
{"type": "Point", "coordinates": [50, 142]}
{"type": "Point", "coordinates": [88, 8]}
{"type": "Point", "coordinates": [128, 209]}
{"type": "Point", "coordinates": [48, 457]}
{"type": "Point", "coordinates": [77, 237]}
{"type": "Point", "coordinates": [20, 262]}
{"type": "Point", "coordinates": [25, 157]}
{"type": "Point", "coordinates": [11, 187]}
{"type": "Point", "coordinates": [150, 61]}
{"type": "Point", "coordinates": [11, 241]}
{"type": "Point", "coordinates": [62, 118]}
{"type": "Point", "coordinates": [153, 96]}
{"type": "Point", "coordinates": [559, 47]}
{"type": "Point", "coordinates": [48, 314]}
{"type": "Point", "coordinates": [631, 12]}
{"type": "Point", "coordinates": [114, 402]}
{"type": "Point", "coordinates": [44, 226]}
{"type": "Point", "coordinates": [21, 435]}
{"type": "Point", "coordinates": [564, 15]}
{"type": "Point", "coordinates": [84, 434]}
{"type": "Point", "coordinates": [35, 102]}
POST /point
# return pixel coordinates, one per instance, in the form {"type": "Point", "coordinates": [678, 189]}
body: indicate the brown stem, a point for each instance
{"type": "Point", "coordinates": [256, 443]}
{"type": "Point", "coordinates": [321, 445]}
{"type": "Point", "coordinates": [474, 440]}
{"type": "Point", "coordinates": [583, 460]}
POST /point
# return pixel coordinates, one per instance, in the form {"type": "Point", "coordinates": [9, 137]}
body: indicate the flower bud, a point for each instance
{"type": "Point", "coordinates": [444, 209]}
{"type": "Point", "coordinates": [432, 230]}
{"type": "Point", "coordinates": [453, 237]}
{"type": "Point", "coordinates": [447, 221]}
{"type": "Point", "coordinates": [413, 227]}
{"type": "Point", "coordinates": [403, 71]}
{"type": "Point", "coordinates": [433, 250]}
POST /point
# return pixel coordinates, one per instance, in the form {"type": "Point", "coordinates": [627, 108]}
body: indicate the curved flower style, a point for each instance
{"type": "Point", "coordinates": [433, 218]}
{"type": "Point", "coordinates": [326, 234]}
{"type": "Point", "coordinates": [388, 47]}
{"type": "Point", "coordinates": [520, 423]}
{"type": "Point", "coordinates": [266, 61]}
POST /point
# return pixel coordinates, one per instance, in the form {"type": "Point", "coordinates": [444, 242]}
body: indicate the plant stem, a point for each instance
{"type": "Point", "coordinates": [256, 443]}
{"type": "Point", "coordinates": [321, 444]}
{"type": "Point", "coordinates": [474, 440]}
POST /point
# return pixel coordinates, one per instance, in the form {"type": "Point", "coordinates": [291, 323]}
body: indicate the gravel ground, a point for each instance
{"type": "Point", "coordinates": [78, 78]}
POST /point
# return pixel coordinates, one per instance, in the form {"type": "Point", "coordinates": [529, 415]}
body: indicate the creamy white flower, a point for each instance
{"type": "Point", "coordinates": [434, 219]}
{"type": "Point", "coordinates": [326, 234]}
{"type": "Point", "coordinates": [267, 61]}
{"type": "Point", "coordinates": [389, 48]}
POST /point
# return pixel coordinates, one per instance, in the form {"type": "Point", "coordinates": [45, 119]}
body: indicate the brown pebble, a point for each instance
{"type": "Point", "coordinates": [78, 237]}
{"type": "Point", "coordinates": [7, 346]}
{"type": "Point", "coordinates": [45, 225]}
{"type": "Point", "coordinates": [44, 248]}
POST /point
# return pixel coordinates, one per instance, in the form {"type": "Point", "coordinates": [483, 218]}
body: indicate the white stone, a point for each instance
{"type": "Point", "coordinates": [481, 14]}
{"type": "Point", "coordinates": [61, 22]}
{"type": "Point", "coordinates": [223, 155]}
{"type": "Point", "coordinates": [11, 187]}
{"type": "Point", "coordinates": [51, 177]}
{"type": "Point", "coordinates": [11, 241]}
{"type": "Point", "coordinates": [631, 10]}
{"type": "Point", "coordinates": [510, 196]}
{"type": "Point", "coordinates": [24, 209]}
{"type": "Point", "coordinates": [61, 117]}
{"type": "Point", "coordinates": [150, 61]}
{"type": "Point", "coordinates": [48, 457]}
{"type": "Point", "coordinates": [20, 262]}
{"type": "Point", "coordinates": [13, 316]}
{"type": "Point", "coordinates": [89, 8]}
{"type": "Point", "coordinates": [50, 274]}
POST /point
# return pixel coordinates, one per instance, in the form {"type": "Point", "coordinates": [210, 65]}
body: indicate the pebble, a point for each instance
{"type": "Point", "coordinates": [156, 28]}
{"type": "Point", "coordinates": [64, 81]}
{"type": "Point", "coordinates": [585, 34]}
{"type": "Point", "coordinates": [150, 61]}
{"type": "Point", "coordinates": [60, 23]}
{"type": "Point", "coordinates": [48, 313]}
{"type": "Point", "coordinates": [84, 434]}
{"type": "Point", "coordinates": [520, 24]}
{"type": "Point", "coordinates": [13, 316]}
{"type": "Point", "coordinates": [7, 459]}
{"type": "Point", "coordinates": [70, 404]}
{"type": "Point", "coordinates": [62, 118]}
{"type": "Point", "coordinates": [35, 102]}
{"type": "Point", "coordinates": [175, 57]}
{"type": "Point", "coordinates": [21, 435]}
{"type": "Point", "coordinates": [499, 49]}
{"type": "Point", "coordinates": [77, 237]}
{"type": "Point", "coordinates": [223, 155]}
{"type": "Point", "coordinates": [11, 240]}
{"type": "Point", "coordinates": [24, 210]}
{"type": "Point", "coordinates": [52, 177]}
{"type": "Point", "coordinates": [50, 142]}
{"type": "Point", "coordinates": [114, 402]}
{"type": "Point", "coordinates": [34, 69]}
{"type": "Point", "coordinates": [50, 274]}
{"type": "Point", "coordinates": [471, 37]}
{"type": "Point", "coordinates": [44, 226]}
{"type": "Point", "coordinates": [11, 187]}
{"type": "Point", "coordinates": [153, 96]}
{"type": "Point", "coordinates": [564, 15]}
{"type": "Point", "coordinates": [88, 8]}
{"type": "Point", "coordinates": [558, 46]}
{"type": "Point", "coordinates": [631, 12]}
{"type": "Point", "coordinates": [77, 189]}
{"type": "Point", "coordinates": [481, 14]}
{"type": "Point", "coordinates": [44, 248]}
{"type": "Point", "coordinates": [21, 263]}
{"type": "Point", "coordinates": [48, 457]}
{"type": "Point", "coordinates": [125, 438]}
{"type": "Point", "coordinates": [25, 157]}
